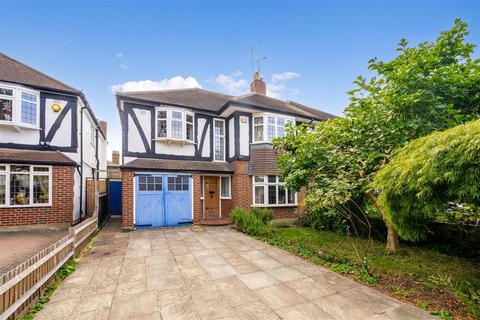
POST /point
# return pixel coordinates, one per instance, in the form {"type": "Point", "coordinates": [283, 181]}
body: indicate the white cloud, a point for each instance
{"type": "Point", "coordinates": [230, 82]}
{"type": "Point", "coordinates": [278, 84]}
{"type": "Point", "coordinates": [124, 66]}
{"type": "Point", "coordinates": [119, 55]}
{"type": "Point", "coordinates": [282, 77]}
{"type": "Point", "coordinates": [176, 82]}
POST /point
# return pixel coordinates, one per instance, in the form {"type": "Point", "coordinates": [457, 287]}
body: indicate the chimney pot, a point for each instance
{"type": "Point", "coordinates": [116, 156]}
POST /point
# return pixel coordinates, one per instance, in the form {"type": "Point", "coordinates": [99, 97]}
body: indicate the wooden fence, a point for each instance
{"type": "Point", "coordinates": [23, 285]}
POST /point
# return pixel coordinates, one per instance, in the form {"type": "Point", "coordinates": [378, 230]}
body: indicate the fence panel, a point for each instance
{"type": "Point", "coordinates": [23, 285]}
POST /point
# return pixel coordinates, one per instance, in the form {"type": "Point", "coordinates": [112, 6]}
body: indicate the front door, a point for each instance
{"type": "Point", "coordinates": [211, 196]}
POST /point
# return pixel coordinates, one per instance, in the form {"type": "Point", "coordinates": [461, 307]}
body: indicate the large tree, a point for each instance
{"type": "Point", "coordinates": [432, 86]}
{"type": "Point", "coordinates": [428, 175]}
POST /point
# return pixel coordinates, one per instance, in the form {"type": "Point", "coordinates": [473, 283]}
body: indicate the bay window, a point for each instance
{"type": "Point", "coordinates": [174, 124]}
{"type": "Point", "coordinates": [271, 191]}
{"type": "Point", "coordinates": [219, 140]}
{"type": "Point", "coordinates": [25, 185]}
{"type": "Point", "coordinates": [273, 126]}
{"type": "Point", "coordinates": [18, 106]}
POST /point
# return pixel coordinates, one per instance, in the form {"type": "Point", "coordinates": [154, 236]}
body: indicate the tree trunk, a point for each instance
{"type": "Point", "coordinates": [392, 234]}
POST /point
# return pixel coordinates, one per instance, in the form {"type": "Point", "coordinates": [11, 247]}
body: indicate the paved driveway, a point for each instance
{"type": "Point", "coordinates": [216, 273]}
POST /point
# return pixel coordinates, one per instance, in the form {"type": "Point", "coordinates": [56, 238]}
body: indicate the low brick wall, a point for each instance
{"type": "Point", "coordinates": [61, 210]}
{"type": "Point", "coordinates": [127, 199]}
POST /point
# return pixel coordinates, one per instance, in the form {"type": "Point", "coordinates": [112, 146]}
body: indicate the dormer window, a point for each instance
{"type": "Point", "coordinates": [268, 127]}
{"type": "Point", "coordinates": [174, 124]}
{"type": "Point", "coordinates": [18, 106]}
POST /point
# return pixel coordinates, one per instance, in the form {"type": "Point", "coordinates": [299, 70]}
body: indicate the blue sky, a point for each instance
{"type": "Point", "coordinates": [313, 49]}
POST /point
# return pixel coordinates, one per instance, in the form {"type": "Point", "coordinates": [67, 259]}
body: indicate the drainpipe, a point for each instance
{"type": "Point", "coordinates": [81, 162]}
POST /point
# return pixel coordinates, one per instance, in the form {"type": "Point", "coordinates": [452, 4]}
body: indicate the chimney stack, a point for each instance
{"type": "Point", "coordinates": [116, 156]}
{"type": "Point", "coordinates": [258, 85]}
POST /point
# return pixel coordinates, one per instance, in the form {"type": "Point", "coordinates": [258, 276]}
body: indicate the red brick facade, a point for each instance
{"type": "Point", "coordinates": [241, 195]}
{"type": "Point", "coordinates": [127, 199]}
{"type": "Point", "coordinates": [61, 210]}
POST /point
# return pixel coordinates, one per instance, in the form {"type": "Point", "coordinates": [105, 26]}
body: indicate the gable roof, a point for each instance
{"type": "Point", "coordinates": [14, 71]}
{"type": "Point", "coordinates": [216, 102]}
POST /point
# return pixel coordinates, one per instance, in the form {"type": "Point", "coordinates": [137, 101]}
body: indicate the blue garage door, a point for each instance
{"type": "Point", "coordinates": [163, 200]}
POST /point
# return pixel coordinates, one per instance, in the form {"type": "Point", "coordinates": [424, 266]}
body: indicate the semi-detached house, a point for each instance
{"type": "Point", "coordinates": [50, 144]}
{"type": "Point", "coordinates": [192, 155]}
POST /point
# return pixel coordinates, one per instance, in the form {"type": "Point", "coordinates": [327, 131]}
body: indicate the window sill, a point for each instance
{"type": "Point", "coordinates": [226, 198]}
{"type": "Point", "coordinates": [17, 126]}
{"type": "Point", "coordinates": [274, 205]}
{"type": "Point", "coordinates": [261, 142]}
{"type": "Point", "coordinates": [169, 141]}
{"type": "Point", "coordinates": [39, 205]}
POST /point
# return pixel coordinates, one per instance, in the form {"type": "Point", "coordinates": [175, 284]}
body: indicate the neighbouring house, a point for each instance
{"type": "Point", "coordinates": [192, 155]}
{"type": "Point", "coordinates": [50, 144]}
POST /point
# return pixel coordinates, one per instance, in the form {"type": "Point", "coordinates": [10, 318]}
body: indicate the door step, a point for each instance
{"type": "Point", "coordinates": [216, 222]}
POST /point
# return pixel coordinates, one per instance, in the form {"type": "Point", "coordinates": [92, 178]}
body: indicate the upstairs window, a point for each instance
{"type": "Point", "coordinates": [268, 127]}
{"type": "Point", "coordinates": [18, 106]}
{"type": "Point", "coordinates": [174, 125]}
{"type": "Point", "coordinates": [219, 140]}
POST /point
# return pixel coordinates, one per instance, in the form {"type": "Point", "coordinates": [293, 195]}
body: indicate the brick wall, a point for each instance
{"type": "Point", "coordinates": [241, 185]}
{"type": "Point", "coordinates": [61, 210]}
{"type": "Point", "coordinates": [127, 199]}
{"type": "Point", "coordinates": [197, 201]}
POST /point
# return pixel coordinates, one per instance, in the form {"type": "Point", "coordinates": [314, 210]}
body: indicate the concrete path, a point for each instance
{"type": "Point", "coordinates": [216, 273]}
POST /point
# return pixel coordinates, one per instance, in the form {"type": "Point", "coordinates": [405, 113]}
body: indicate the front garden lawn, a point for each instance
{"type": "Point", "coordinates": [445, 285]}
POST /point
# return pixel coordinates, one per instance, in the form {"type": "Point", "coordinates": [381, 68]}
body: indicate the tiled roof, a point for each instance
{"type": "Point", "coordinates": [214, 101]}
{"type": "Point", "coordinates": [14, 71]}
{"type": "Point", "coordinates": [34, 157]}
{"type": "Point", "coordinates": [175, 165]}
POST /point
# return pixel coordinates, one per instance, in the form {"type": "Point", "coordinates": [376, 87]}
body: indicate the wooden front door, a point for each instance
{"type": "Point", "coordinates": [211, 196]}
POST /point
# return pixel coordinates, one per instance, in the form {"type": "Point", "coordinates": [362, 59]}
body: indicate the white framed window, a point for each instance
{"type": "Point", "coordinates": [19, 106]}
{"type": "Point", "coordinates": [219, 139]}
{"type": "Point", "coordinates": [25, 185]}
{"type": "Point", "coordinates": [174, 124]}
{"type": "Point", "coordinates": [225, 187]}
{"type": "Point", "coordinates": [270, 191]}
{"type": "Point", "coordinates": [268, 127]}
{"type": "Point", "coordinates": [92, 135]}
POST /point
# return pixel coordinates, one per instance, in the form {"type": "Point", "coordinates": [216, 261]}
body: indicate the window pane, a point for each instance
{"type": "Point", "coordinates": [271, 120]}
{"type": "Point", "coordinates": [219, 128]}
{"type": "Point", "coordinates": [19, 169]}
{"type": "Point", "coordinates": [142, 187]}
{"type": "Point", "coordinates": [270, 132]}
{"type": "Point", "coordinates": [3, 168]}
{"type": "Point", "coordinates": [290, 197]}
{"type": "Point", "coordinates": [225, 181]}
{"type": "Point", "coordinates": [219, 147]}
{"type": "Point", "coordinates": [272, 179]}
{"type": "Point", "coordinates": [161, 128]}
{"type": "Point", "coordinates": [40, 189]}
{"type": "Point", "coordinates": [29, 112]}
{"type": "Point", "coordinates": [6, 109]}
{"type": "Point", "coordinates": [189, 132]}
{"type": "Point", "coordinates": [282, 197]}
{"type": "Point", "coordinates": [161, 114]}
{"type": "Point", "coordinates": [281, 122]}
{"type": "Point", "coordinates": [41, 169]}
{"type": "Point", "coordinates": [272, 194]}
{"type": "Point", "coordinates": [176, 129]}
{"type": "Point", "coordinates": [258, 134]}
{"type": "Point", "coordinates": [176, 115]}
{"type": "Point", "coordinates": [258, 120]}
{"type": "Point", "coordinates": [29, 97]}
{"type": "Point", "coordinates": [19, 189]}
{"type": "Point", "coordinates": [189, 118]}
{"type": "Point", "coordinates": [142, 179]}
{"type": "Point", "coordinates": [280, 131]}
{"type": "Point", "coordinates": [259, 179]}
{"type": "Point", "coordinates": [3, 181]}
{"type": "Point", "coordinates": [259, 195]}
{"type": "Point", "coordinates": [6, 92]}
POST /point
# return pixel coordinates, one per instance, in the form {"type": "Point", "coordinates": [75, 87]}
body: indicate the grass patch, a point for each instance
{"type": "Point", "coordinates": [64, 271]}
{"type": "Point", "coordinates": [416, 275]}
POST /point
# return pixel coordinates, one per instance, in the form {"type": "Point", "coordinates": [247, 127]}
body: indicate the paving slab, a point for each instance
{"type": "Point", "coordinates": [212, 273]}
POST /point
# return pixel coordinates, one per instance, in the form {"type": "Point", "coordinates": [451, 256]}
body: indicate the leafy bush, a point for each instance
{"type": "Point", "coordinates": [253, 222]}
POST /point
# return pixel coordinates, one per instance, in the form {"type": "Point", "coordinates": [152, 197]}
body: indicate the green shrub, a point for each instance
{"type": "Point", "coordinates": [253, 222]}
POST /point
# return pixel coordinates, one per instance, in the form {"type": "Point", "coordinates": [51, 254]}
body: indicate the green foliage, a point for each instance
{"type": "Point", "coordinates": [253, 222]}
{"type": "Point", "coordinates": [432, 86]}
{"type": "Point", "coordinates": [428, 174]}
{"type": "Point", "coordinates": [442, 314]}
